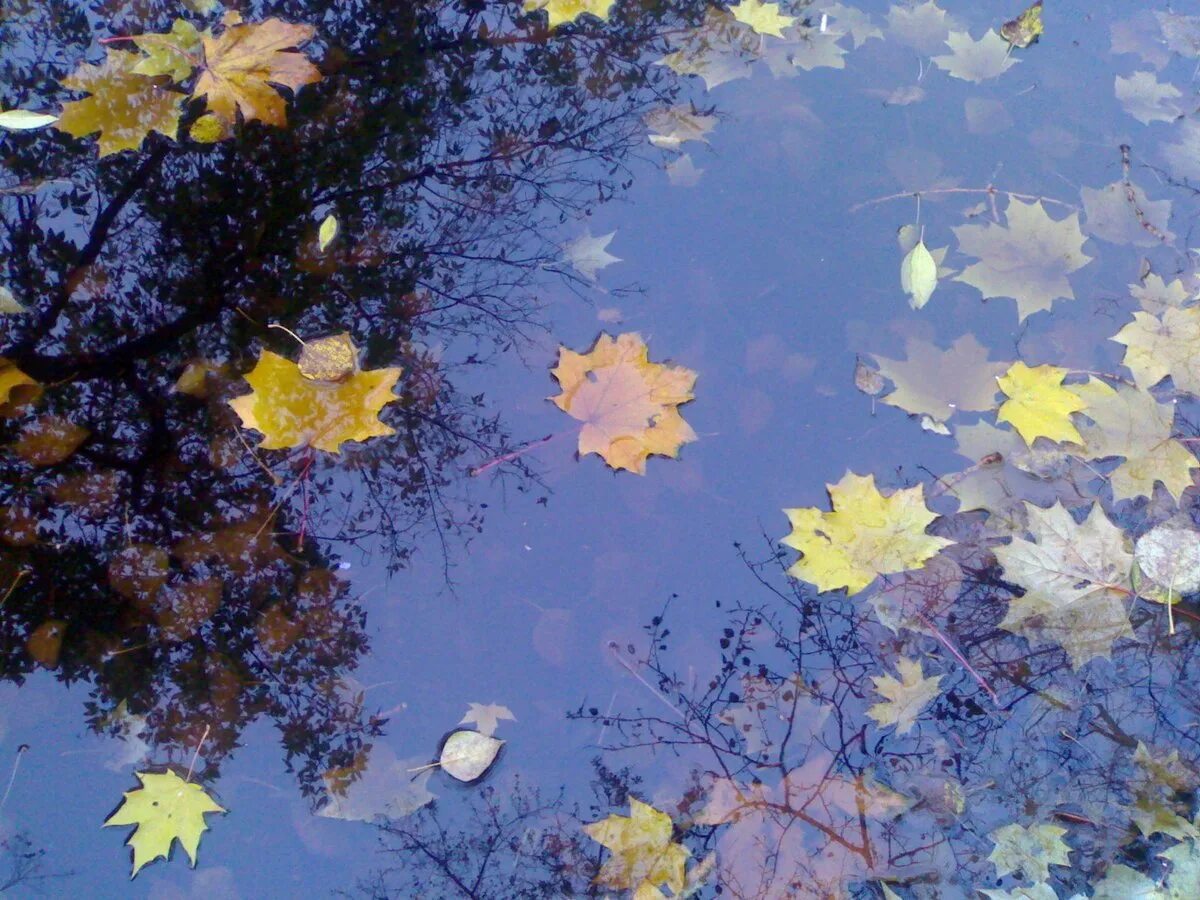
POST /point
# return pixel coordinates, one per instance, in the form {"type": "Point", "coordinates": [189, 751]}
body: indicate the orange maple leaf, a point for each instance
{"type": "Point", "coordinates": [124, 106]}
{"type": "Point", "coordinates": [245, 60]}
{"type": "Point", "coordinates": [292, 410]}
{"type": "Point", "coordinates": [628, 405]}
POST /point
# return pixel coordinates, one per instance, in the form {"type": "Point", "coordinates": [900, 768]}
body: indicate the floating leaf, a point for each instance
{"type": "Point", "coordinates": [10, 305]}
{"type": "Point", "coordinates": [165, 809]}
{"type": "Point", "coordinates": [560, 12]}
{"type": "Point", "coordinates": [1038, 405]}
{"type": "Point", "coordinates": [1028, 259]}
{"type": "Point", "coordinates": [590, 254]}
{"type": "Point", "coordinates": [326, 233]}
{"type": "Point", "coordinates": [467, 755]}
{"type": "Point", "coordinates": [924, 27]}
{"type": "Point", "coordinates": [762, 18]}
{"type": "Point", "coordinates": [720, 50]}
{"type": "Point", "coordinates": [918, 275]}
{"type": "Point", "coordinates": [1025, 28]}
{"type": "Point", "coordinates": [25, 120]}
{"type": "Point", "coordinates": [124, 106]}
{"type": "Point", "coordinates": [866, 534]}
{"type": "Point", "coordinates": [173, 54]}
{"type": "Point", "coordinates": [487, 718]}
{"type": "Point", "coordinates": [1158, 346]}
{"type": "Point", "coordinates": [13, 379]}
{"type": "Point", "coordinates": [1076, 582]}
{"type": "Point", "coordinates": [293, 411]}
{"type": "Point", "coordinates": [644, 856]}
{"type": "Point", "coordinates": [1169, 555]}
{"type": "Point", "coordinates": [973, 60]}
{"type": "Point", "coordinates": [905, 698]}
{"type": "Point", "coordinates": [1030, 851]}
{"type": "Point", "coordinates": [333, 358]}
{"type": "Point", "coordinates": [628, 405]}
{"type": "Point", "coordinates": [936, 383]}
{"type": "Point", "coordinates": [242, 64]}
{"type": "Point", "coordinates": [1156, 295]}
{"type": "Point", "coordinates": [852, 21]}
{"type": "Point", "coordinates": [673, 126]}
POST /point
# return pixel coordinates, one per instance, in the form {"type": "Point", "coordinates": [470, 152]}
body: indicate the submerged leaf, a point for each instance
{"type": "Point", "coordinates": [590, 254]}
{"type": "Point", "coordinates": [1169, 555]}
{"type": "Point", "coordinates": [326, 233]}
{"type": "Point", "coordinates": [165, 809]}
{"type": "Point", "coordinates": [1030, 851]}
{"type": "Point", "coordinates": [936, 383]}
{"type": "Point", "coordinates": [973, 60]}
{"type": "Point", "coordinates": [905, 698]}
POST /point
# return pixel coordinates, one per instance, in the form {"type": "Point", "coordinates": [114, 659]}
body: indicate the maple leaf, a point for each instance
{"type": "Point", "coordinates": [1030, 851]}
{"type": "Point", "coordinates": [1076, 582]}
{"type": "Point", "coordinates": [852, 21]}
{"type": "Point", "coordinates": [590, 254]}
{"type": "Point", "coordinates": [924, 27]}
{"type": "Point", "coordinates": [560, 12]}
{"type": "Point", "coordinates": [172, 54]}
{"type": "Point", "coordinates": [1110, 215]}
{"type": "Point", "coordinates": [377, 785]}
{"type": "Point", "coordinates": [1156, 295]}
{"type": "Point", "coordinates": [673, 126]}
{"type": "Point", "coordinates": [905, 698]}
{"type": "Point", "coordinates": [935, 382]}
{"type": "Point", "coordinates": [165, 809]}
{"type": "Point", "coordinates": [763, 18]}
{"type": "Point", "coordinates": [124, 106]}
{"type": "Point", "coordinates": [720, 50]}
{"type": "Point", "coordinates": [1158, 346]}
{"type": "Point", "coordinates": [973, 60]}
{"type": "Point", "coordinates": [866, 534]}
{"type": "Point", "coordinates": [1028, 259]}
{"type": "Point", "coordinates": [294, 411]}
{"type": "Point", "coordinates": [643, 852]}
{"type": "Point", "coordinates": [487, 718]}
{"type": "Point", "coordinates": [682, 172]}
{"type": "Point", "coordinates": [1130, 422]}
{"type": "Point", "coordinates": [243, 62]}
{"type": "Point", "coordinates": [1038, 405]}
{"type": "Point", "coordinates": [628, 405]}
{"type": "Point", "coordinates": [1148, 100]}
{"type": "Point", "coordinates": [1183, 157]}
{"type": "Point", "coordinates": [806, 49]}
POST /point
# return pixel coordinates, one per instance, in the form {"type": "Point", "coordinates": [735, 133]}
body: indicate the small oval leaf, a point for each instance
{"type": "Point", "coordinates": [918, 275]}
{"type": "Point", "coordinates": [329, 230]}
{"type": "Point", "coordinates": [25, 120]}
{"type": "Point", "coordinates": [467, 755]}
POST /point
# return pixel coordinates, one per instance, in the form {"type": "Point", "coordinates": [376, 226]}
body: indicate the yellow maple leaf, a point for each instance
{"type": "Point", "coordinates": [164, 809]}
{"type": "Point", "coordinates": [292, 410]}
{"type": "Point", "coordinates": [904, 697]}
{"type": "Point", "coordinates": [628, 405]}
{"type": "Point", "coordinates": [865, 535]}
{"type": "Point", "coordinates": [124, 106]}
{"type": "Point", "coordinates": [243, 62]}
{"type": "Point", "coordinates": [1038, 405]}
{"type": "Point", "coordinates": [644, 856]}
{"type": "Point", "coordinates": [560, 11]}
{"type": "Point", "coordinates": [763, 18]}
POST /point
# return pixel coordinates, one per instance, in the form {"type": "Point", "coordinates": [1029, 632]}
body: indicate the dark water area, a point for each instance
{"type": "Point", "coordinates": [287, 585]}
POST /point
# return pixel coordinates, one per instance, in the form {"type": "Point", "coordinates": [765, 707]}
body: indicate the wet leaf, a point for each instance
{"type": "Point", "coordinates": [326, 233]}
{"type": "Point", "coordinates": [672, 126]}
{"type": "Point", "coordinates": [1158, 346]}
{"type": "Point", "coordinates": [467, 755]}
{"type": "Point", "coordinates": [937, 383]}
{"type": "Point", "coordinates": [560, 12]}
{"type": "Point", "coordinates": [1027, 259]}
{"type": "Point", "coordinates": [165, 809]}
{"type": "Point", "coordinates": [9, 306]}
{"type": "Point", "coordinates": [924, 27]}
{"type": "Point", "coordinates": [1038, 405]}
{"type": "Point", "coordinates": [48, 440]}
{"type": "Point", "coordinates": [918, 275]}
{"type": "Point", "coordinates": [643, 852]}
{"type": "Point", "coordinates": [1183, 156]}
{"type": "Point", "coordinates": [294, 411]}
{"type": "Point", "coordinates": [1169, 555]}
{"type": "Point", "coordinates": [173, 54]}
{"type": "Point", "coordinates": [378, 786]}
{"type": "Point", "coordinates": [45, 642]}
{"type": "Point", "coordinates": [866, 534]}
{"type": "Point", "coordinates": [25, 120]}
{"type": "Point", "coordinates": [868, 380]}
{"type": "Point", "coordinates": [720, 50]}
{"type": "Point", "coordinates": [1025, 28]}
{"type": "Point", "coordinates": [852, 21]}
{"type": "Point", "coordinates": [1030, 851]}
{"type": "Point", "coordinates": [486, 718]}
{"type": "Point", "coordinates": [628, 405]}
{"type": "Point", "coordinates": [245, 60]}
{"type": "Point", "coordinates": [1148, 100]}
{"type": "Point", "coordinates": [1076, 582]}
{"type": "Point", "coordinates": [588, 255]}
{"type": "Point", "coordinates": [332, 359]}
{"type": "Point", "coordinates": [682, 172]}
{"type": "Point", "coordinates": [973, 60]}
{"type": "Point", "coordinates": [13, 379]}
{"type": "Point", "coordinates": [904, 698]}
{"type": "Point", "coordinates": [124, 106]}
{"type": "Point", "coordinates": [763, 18]}
{"type": "Point", "coordinates": [1110, 215]}
{"type": "Point", "coordinates": [1155, 295]}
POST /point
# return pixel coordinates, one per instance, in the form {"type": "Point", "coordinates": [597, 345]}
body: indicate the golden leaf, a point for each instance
{"type": "Point", "coordinates": [245, 60]}
{"type": "Point", "coordinates": [293, 411]}
{"type": "Point", "coordinates": [124, 106]}
{"type": "Point", "coordinates": [560, 11]}
{"type": "Point", "coordinates": [12, 379]}
{"type": "Point", "coordinates": [644, 856]}
{"type": "Point", "coordinates": [1038, 404]}
{"type": "Point", "coordinates": [628, 404]}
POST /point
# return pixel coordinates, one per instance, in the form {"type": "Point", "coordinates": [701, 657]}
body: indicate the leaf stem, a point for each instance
{"type": "Point", "coordinates": [990, 190]}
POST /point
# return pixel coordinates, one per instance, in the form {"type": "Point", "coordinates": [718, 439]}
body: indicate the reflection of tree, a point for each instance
{"type": "Point", "coordinates": [22, 865]}
{"type": "Point", "coordinates": [147, 548]}
{"type": "Point", "coordinates": [803, 796]}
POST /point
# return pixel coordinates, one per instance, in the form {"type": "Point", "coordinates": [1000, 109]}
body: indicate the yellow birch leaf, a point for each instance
{"type": "Point", "coordinates": [561, 11]}
{"type": "Point", "coordinates": [865, 535]}
{"type": "Point", "coordinates": [165, 809]}
{"type": "Point", "coordinates": [124, 106]}
{"type": "Point", "coordinates": [293, 411]}
{"type": "Point", "coordinates": [242, 64]}
{"type": "Point", "coordinates": [1038, 405]}
{"type": "Point", "coordinates": [644, 856]}
{"type": "Point", "coordinates": [628, 405]}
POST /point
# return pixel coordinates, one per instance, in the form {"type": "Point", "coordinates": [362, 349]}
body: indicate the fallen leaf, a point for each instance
{"type": "Point", "coordinates": [25, 119]}
{"type": "Point", "coordinates": [173, 54]}
{"type": "Point", "coordinates": [851, 21]}
{"type": "Point", "coordinates": [331, 359]}
{"type": "Point", "coordinates": [682, 172]}
{"type": "Point", "coordinates": [904, 698]}
{"type": "Point", "coordinates": [48, 440]}
{"type": "Point", "coordinates": [13, 379]}
{"type": "Point", "coordinates": [326, 233]}
{"type": "Point", "coordinates": [628, 405]}
{"type": "Point", "coordinates": [487, 718]}
{"type": "Point", "coordinates": [1169, 555]}
{"type": "Point", "coordinates": [588, 255]}
{"type": "Point", "coordinates": [124, 106]}
{"type": "Point", "coordinates": [1038, 405]}
{"type": "Point", "coordinates": [672, 126]}
{"type": "Point", "coordinates": [560, 12]}
{"type": "Point", "coordinates": [924, 27]}
{"type": "Point", "coordinates": [294, 411]}
{"type": "Point", "coordinates": [762, 18]}
{"type": "Point", "coordinates": [1030, 851]}
{"type": "Point", "coordinates": [1183, 156]}
{"type": "Point", "coordinates": [467, 755]}
{"type": "Point", "coordinates": [1156, 295]}
{"type": "Point", "coordinates": [165, 809]}
{"type": "Point", "coordinates": [918, 275]}
{"type": "Point", "coordinates": [643, 852]}
{"type": "Point", "coordinates": [1158, 346]}
{"type": "Point", "coordinates": [937, 383]}
{"type": "Point", "coordinates": [973, 60]}
{"type": "Point", "coordinates": [866, 534]}
{"type": "Point", "coordinates": [242, 63]}
{"type": "Point", "coordinates": [1027, 259]}
{"type": "Point", "coordinates": [1148, 100]}
{"type": "Point", "coordinates": [378, 786]}
{"type": "Point", "coordinates": [1025, 28]}
{"type": "Point", "coordinates": [1110, 215]}
{"type": "Point", "coordinates": [720, 50]}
